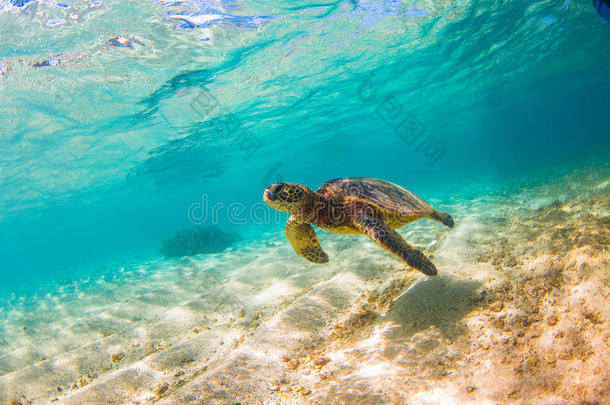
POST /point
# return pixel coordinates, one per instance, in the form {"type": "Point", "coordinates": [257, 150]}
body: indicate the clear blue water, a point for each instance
{"type": "Point", "coordinates": [118, 118]}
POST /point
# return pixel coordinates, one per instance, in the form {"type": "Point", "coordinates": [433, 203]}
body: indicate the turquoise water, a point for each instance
{"type": "Point", "coordinates": [125, 122]}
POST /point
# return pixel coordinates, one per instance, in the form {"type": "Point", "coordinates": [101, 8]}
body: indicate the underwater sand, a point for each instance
{"type": "Point", "coordinates": [519, 313]}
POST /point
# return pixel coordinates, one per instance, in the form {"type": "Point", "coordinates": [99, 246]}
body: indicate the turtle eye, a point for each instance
{"type": "Point", "coordinates": [279, 188]}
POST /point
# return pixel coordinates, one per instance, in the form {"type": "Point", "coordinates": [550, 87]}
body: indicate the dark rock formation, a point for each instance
{"type": "Point", "coordinates": [201, 239]}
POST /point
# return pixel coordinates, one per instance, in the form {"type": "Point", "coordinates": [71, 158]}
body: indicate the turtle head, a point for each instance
{"type": "Point", "coordinates": [288, 197]}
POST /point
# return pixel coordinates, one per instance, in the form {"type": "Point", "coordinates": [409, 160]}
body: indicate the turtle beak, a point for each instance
{"type": "Point", "coordinates": [271, 192]}
{"type": "Point", "coordinates": [267, 196]}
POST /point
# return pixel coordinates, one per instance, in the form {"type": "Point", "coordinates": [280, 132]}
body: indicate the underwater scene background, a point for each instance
{"type": "Point", "coordinates": [140, 264]}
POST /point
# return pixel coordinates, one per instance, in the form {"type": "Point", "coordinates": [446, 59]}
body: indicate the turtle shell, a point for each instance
{"type": "Point", "coordinates": [388, 197]}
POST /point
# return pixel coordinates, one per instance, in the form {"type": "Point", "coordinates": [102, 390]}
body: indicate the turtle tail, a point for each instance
{"type": "Point", "coordinates": [444, 218]}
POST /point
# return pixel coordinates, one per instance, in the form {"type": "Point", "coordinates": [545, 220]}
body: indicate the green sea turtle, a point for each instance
{"type": "Point", "coordinates": [356, 205]}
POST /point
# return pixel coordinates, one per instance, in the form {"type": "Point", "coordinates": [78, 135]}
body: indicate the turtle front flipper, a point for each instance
{"type": "Point", "coordinates": [391, 241]}
{"type": "Point", "coordinates": [304, 241]}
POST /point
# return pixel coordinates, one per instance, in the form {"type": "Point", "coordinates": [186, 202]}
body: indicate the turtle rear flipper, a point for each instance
{"type": "Point", "coordinates": [391, 241]}
{"type": "Point", "coordinates": [304, 241]}
{"type": "Point", "coordinates": [443, 218]}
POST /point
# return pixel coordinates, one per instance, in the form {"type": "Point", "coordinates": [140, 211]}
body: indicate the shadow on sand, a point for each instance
{"type": "Point", "coordinates": [441, 302]}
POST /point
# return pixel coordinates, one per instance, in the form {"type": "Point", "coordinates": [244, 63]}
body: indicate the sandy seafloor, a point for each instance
{"type": "Point", "coordinates": [519, 313]}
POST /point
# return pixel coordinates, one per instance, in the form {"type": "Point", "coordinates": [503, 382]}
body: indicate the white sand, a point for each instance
{"type": "Point", "coordinates": [518, 314]}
